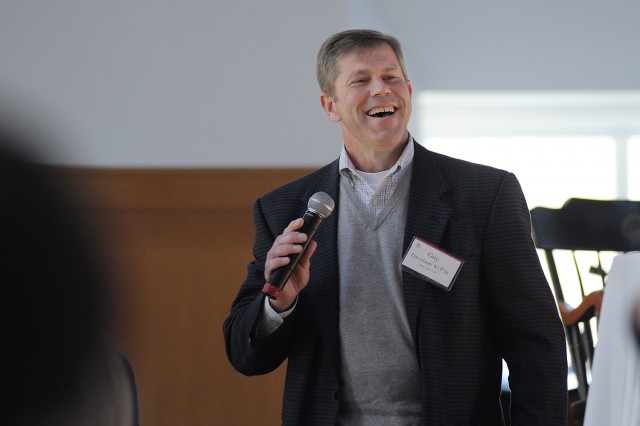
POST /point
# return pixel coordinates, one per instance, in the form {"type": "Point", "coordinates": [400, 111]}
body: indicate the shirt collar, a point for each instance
{"type": "Point", "coordinates": [346, 166]}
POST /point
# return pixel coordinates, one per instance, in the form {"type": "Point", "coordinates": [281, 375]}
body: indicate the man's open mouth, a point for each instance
{"type": "Point", "coordinates": [383, 111]}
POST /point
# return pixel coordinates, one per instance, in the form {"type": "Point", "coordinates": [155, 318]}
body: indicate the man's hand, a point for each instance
{"type": "Point", "coordinates": [290, 242]}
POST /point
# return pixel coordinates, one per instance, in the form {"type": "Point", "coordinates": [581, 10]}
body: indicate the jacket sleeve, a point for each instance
{"type": "Point", "coordinates": [247, 353]}
{"type": "Point", "coordinates": [531, 335]}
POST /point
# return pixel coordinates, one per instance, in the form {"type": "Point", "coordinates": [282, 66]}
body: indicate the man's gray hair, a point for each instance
{"type": "Point", "coordinates": [350, 41]}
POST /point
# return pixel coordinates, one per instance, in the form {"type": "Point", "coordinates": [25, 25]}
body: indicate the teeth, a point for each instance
{"type": "Point", "coordinates": [379, 110]}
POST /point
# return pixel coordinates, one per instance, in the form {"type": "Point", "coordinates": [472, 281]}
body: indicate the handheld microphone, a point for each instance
{"type": "Point", "coordinates": [320, 206]}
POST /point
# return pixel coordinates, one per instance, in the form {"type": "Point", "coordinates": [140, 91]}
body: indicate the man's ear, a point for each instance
{"type": "Point", "coordinates": [328, 105]}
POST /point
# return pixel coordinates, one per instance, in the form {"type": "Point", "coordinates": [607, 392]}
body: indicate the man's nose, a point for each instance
{"type": "Point", "coordinates": [380, 87]}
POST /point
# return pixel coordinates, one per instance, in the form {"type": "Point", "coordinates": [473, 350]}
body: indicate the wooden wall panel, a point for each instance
{"type": "Point", "coordinates": [178, 242]}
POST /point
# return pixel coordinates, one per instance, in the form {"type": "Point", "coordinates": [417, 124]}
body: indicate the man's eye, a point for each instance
{"type": "Point", "coordinates": [391, 77]}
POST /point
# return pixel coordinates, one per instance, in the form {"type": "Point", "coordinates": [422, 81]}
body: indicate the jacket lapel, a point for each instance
{"type": "Point", "coordinates": [427, 218]}
{"type": "Point", "coordinates": [322, 290]}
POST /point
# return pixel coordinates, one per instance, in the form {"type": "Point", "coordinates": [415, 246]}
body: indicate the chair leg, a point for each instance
{"type": "Point", "coordinates": [576, 410]}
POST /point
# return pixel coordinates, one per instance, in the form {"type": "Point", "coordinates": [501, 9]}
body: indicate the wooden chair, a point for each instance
{"type": "Point", "coordinates": [583, 225]}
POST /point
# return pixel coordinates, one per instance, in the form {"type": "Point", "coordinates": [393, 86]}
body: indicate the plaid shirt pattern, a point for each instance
{"type": "Point", "coordinates": [375, 201]}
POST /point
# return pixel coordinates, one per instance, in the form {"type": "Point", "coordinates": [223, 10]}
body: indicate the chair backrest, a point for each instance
{"type": "Point", "coordinates": [584, 225]}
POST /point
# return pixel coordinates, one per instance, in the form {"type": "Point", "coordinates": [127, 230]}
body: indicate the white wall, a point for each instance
{"type": "Point", "coordinates": [172, 83]}
{"type": "Point", "coordinates": [232, 83]}
{"type": "Point", "coordinates": [513, 45]}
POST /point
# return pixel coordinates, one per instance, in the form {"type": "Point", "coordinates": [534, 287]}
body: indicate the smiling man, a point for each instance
{"type": "Point", "coordinates": [371, 99]}
{"type": "Point", "coordinates": [372, 337]}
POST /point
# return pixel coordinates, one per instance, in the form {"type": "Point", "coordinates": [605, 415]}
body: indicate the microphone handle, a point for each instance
{"type": "Point", "coordinates": [280, 276]}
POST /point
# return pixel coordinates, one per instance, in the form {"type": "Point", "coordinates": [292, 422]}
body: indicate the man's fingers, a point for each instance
{"type": "Point", "coordinates": [276, 263]}
{"type": "Point", "coordinates": [294, 224]}
{"type": "Point", "coordinates": [286, 246]}
{"type": "Point", "coordinates": [290, 242]}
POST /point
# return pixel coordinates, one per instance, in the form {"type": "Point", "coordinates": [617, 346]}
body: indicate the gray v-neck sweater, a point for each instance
{"type": "Point", "coordinates": [380, 378]}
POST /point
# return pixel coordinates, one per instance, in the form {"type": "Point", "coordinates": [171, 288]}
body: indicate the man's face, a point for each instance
{"type": "Point", "coordinates": [371, 100]}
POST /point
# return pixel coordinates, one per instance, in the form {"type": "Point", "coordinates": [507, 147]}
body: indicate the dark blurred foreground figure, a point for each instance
{"type": "Point", "coordinates": [56, 365]}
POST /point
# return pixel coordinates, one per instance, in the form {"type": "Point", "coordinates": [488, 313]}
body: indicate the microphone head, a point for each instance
{"type": "Point", "coordinates": [321, 204]}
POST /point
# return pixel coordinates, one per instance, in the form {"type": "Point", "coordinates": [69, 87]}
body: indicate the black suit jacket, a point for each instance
{"type": "Point", "coordinates": [500, 305]}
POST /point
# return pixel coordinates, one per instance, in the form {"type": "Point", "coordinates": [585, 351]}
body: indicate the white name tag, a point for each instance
{"type": "Point", "coordinates": [431, 263]}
